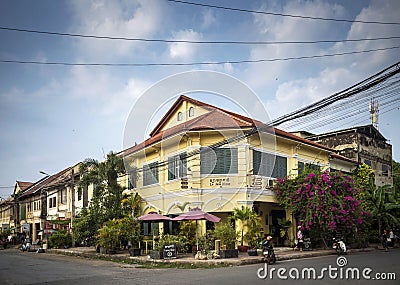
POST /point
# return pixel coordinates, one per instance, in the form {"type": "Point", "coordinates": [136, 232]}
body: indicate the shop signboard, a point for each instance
{"type": "Point", "coordinates": [170, 251]}
{"type": "Point", "coordinates": [26, 228]}
{"type": "Point", "coordinates": [48, 228]}
{"type": "Point", "coordinates": [5, 227]}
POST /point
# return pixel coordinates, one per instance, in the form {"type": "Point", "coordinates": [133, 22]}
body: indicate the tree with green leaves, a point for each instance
{"type": "Point", "coordinates": [106, 203]}
{"type": "Point", "coordinates": [382, 202]}
{"type": "Point", "coordinates": [246, 216]}
{"type": "Point", "coordinates": [107, 193]}
{"type": "Point", "coordinates": [131, 205]}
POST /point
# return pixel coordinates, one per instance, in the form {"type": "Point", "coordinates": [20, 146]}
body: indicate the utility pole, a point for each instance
{"type": "Point", "coordinates": [374, 110]}
{"type": "Point", "coordinates": [72, 206]}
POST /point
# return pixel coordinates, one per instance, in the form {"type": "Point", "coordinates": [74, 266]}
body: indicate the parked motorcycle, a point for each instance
{"type": "Point", "coordinates": [307, 244]}
{"type": "Point", "coordinates": [268, 251]}
{"type": "Point", "coordinates": [26, 246]}
{"type": "Point", "coordinates": [339, 246]}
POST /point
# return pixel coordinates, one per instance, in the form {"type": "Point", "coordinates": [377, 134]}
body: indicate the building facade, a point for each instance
{"type": "Point", "coordinates": [37, 209]}
{"type": "Point", "coordinates": [203, 156]}
{"type": "Point", "coordinates": [364, 144]}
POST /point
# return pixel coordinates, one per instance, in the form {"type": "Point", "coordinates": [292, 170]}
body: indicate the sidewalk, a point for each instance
{"type": "Point", "coordinates": [282, 253]}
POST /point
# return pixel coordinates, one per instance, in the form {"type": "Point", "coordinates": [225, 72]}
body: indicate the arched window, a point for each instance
{"type": "Point", "coordinates": [180, 116]}
{"type": "Point", "coordinates": [191, 112]}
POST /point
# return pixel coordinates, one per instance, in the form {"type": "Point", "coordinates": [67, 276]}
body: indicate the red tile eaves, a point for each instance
{"type": "Point", "coordinates": [197, 124]}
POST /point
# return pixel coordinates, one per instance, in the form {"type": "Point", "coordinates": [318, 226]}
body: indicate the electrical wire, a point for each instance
{"type": "Point", "coordinates": [194, 63]}
{"type": "Point", "coordinates": [283, 15]}
{"type": "Point", "coordinates": [379, 81]}
{"type": "Point", "coordinates": [355, 102]}
{"type": "Point", "coordinates": [194, 42]}
{"type": "Point", "coordinates": [349, 107]}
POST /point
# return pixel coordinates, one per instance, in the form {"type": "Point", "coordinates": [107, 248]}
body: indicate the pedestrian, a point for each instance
{"type": "Point", "coordinates": [385, 240]}
{"type": "Point", "coordinates": [392, 239]}
{"type": "Point", "coordinates": [299, 239]}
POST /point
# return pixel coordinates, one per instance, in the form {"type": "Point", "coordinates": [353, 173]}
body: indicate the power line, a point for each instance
{"type": "Point", "coordinates": [283, 15]}
{"type": "Point", "coordinates": [194, 63]}
{"type": "Point", "coordinates": [351, 91]}
{"type": "Point", "coordinates": [350, 107]}
{"type": "Point", "coordinates": [364, 85]}
{"type": "Point", "coordinates": [194, 42]}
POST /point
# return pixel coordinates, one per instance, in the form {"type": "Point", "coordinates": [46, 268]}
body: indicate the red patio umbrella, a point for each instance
{"type": "Point", "coordinates": [195, 215]}
{"type": "Point", "coordinates": [154, 217]}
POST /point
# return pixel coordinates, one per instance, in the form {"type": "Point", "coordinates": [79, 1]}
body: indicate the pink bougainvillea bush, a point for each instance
{"type": "Point", "coordinates": [322, 201]}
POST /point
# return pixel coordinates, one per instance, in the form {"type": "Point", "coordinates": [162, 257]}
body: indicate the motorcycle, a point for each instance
{"type": "Point", "coordinates": [339, 246]}
{"type": "Point", "coordinates": [26, 246]}
{"type": "Point", "coordinates": [268, 253]}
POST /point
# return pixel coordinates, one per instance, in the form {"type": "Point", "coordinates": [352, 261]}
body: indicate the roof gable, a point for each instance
{"type": "Point", "coordinates": [182, 106]}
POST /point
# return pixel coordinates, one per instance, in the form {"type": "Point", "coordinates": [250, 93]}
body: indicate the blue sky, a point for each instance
{"type": "Point", "coordinates": [54, 116]}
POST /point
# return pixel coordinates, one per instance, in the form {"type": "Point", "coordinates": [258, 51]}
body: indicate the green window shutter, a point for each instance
{"type": "Point", "coordinates": [207, 161]}
{"type": "Point", "coordinates": [23, 211]}
{"type": "Point", "coordinates": [256, 162]}
{"type": "Point", "coordinates": [150, 174]}
{"type": "Point", "coordinates": [154, 171]}
{"type": "Point", "coordinates": [171, 168]}
{"type": "Point", "coordinates": [263, 163]}
{"type": "Point", "coordinates": [233, 161]}
{"type": "Point", "coordinates": [280, 169]}
{"type": "Point", "coordinates": [183, 165]}
{"type": "Point", "coordinates": [219, 161]}
{"type": "Point", "coordinates": [300, 167]}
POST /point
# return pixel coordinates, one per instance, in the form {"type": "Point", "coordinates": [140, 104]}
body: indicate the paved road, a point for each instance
{"type": "Point", "coordinates": [32, 268]}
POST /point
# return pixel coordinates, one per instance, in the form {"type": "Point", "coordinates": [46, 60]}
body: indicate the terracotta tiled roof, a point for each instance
{"type": "Point", "coordinates": [48, 182]}
{"type": "Point", "coordinates": [7, 201]}
{"type": "Point", "coordinates": [215, 119]}
{"type": "Point", "coordinates": [23, 184]}
{"type": "Point", "coordinates": [209, 107]}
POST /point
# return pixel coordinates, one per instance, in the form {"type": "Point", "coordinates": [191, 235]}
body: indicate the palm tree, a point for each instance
{"type": "Point", "coordinates": [382, 204]}
{"type": "Point", "coordinates": [107, 193]}
{"type": "Point", "coordinates": [245, 215]}
{"type": "Point", "coordinates": [132, 203]}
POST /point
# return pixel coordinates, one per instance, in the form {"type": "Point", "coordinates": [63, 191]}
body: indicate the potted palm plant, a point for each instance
{"type": "Point", "coordinates": [246, 216]}
{"type": "Point", "coordinates": [285, 225]}
{"type": "Point", "coordinates": [228, 236]}
{"type": "Point", "coordinates": [108, 237]}
{"type": "Point", "coordinates": [253, 236]}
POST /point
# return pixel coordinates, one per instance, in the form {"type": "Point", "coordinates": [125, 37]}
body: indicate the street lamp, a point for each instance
{"type": "Point", "coordinates": [44, 173]}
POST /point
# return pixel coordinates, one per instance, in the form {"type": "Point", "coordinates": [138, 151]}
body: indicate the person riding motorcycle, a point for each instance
{"type": "Point", "coordinates": [339, 246]}
{"type": "Point", "coordinates": [268, 251]}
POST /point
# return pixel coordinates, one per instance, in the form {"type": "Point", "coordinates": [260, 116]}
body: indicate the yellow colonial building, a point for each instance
{"type": "Point", "coordinates": [200, 155]}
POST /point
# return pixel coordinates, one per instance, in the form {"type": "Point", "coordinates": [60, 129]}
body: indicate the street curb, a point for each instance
{"type": "Point", "coordinates": [214, 262]}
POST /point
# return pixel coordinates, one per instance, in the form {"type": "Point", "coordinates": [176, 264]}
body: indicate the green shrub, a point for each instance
{"type": "Point", "coordinates": [60, 239]}
{"type": "Point", "coordinates": [227, 234]}
{"type": "Point", "coordinates": [168, 240]}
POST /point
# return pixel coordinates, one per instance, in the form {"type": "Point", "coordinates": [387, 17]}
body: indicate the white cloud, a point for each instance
{"type": "Point", "coordinates": [289, 29]}
{"type": "Point", "coordinates": [209, 19]}
{"type": "Point", "coordinates": [129, 19]}
{"type": "Point", "coordinates": [297, 83]}
{"type": "Point", "coordinates": [184, 50]}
